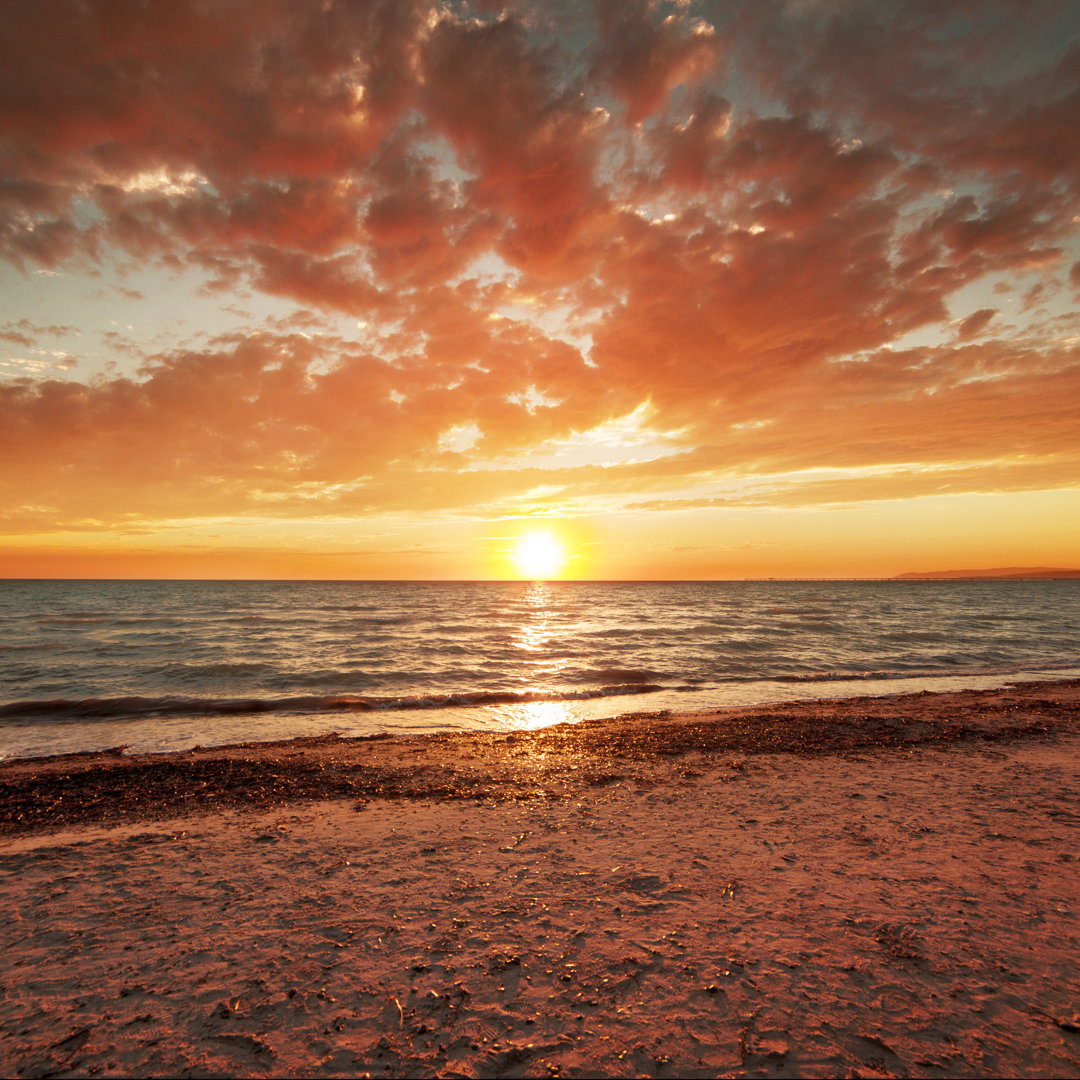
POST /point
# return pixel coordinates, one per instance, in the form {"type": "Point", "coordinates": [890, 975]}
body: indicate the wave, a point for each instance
{"type": "Point", "coordinates": [130, 708]}
{"type": "Point", "coordinates": [621, 675]}
{"type": "Point", "coordinates": [618, 682]}
{"type": "Point", "coordinates": [187, 670]}
{"type": "Point", "coordinates": [804, 612]}
{"type": "Point", "coordinates": [906, 673]}
{"type": "Point", "coordinates": [930, 637]}
{"type": "Point", "coordinates": [65, 620]}
{"type": "Point", "coordinates": [855, 676]}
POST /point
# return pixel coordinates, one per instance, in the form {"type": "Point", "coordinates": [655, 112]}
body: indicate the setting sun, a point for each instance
{"type": "Point", "coordinates": [539, 554]}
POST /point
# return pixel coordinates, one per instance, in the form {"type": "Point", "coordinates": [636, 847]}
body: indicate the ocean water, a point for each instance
{"type": "Point", "coordinates": [160, 665]}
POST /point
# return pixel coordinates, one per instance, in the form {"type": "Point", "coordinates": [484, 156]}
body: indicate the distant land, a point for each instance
{"type": "Point", "coordinates": [999, 572]}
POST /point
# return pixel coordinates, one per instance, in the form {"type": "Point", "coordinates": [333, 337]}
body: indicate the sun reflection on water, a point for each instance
{"type": "Point", "coordinates": [531, 715]}
{"type": "Point", "coordinates": [539, 635]}
{"type": "Point", "coordinates": [537, 629]}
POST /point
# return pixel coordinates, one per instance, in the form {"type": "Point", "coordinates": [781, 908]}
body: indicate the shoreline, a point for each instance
{"type": "Point", "coordinates": [110, 786]}
{"type": "Point", "coordinates": [257, 721]}
{"type": "Point", "coordinates": [877, 886]}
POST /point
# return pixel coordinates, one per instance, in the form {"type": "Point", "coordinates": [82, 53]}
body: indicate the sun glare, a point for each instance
{"type": "Point", "coordinates": [539, 555]}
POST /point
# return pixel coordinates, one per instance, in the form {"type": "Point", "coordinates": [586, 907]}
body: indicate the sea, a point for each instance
{"type": "Point", "coordinates": [153, 666]}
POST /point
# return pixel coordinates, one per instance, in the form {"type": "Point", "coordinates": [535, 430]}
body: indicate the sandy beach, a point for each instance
{"type": "Point", "coordinates": [873, 887]}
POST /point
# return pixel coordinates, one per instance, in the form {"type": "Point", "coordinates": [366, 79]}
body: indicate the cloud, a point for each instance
{"type": "Point", "coordinates": [645, 50]}
{"type": "Point", "coordinates": [531, 142]}
{"type": "Point", "coordinates": [740, 223]}
{"type": "Point", "coordinates": [975, 323]}
{"type": "Point", "coordinates": [287, 424]}
{"type": "Point", "coordinates": [248, 118]}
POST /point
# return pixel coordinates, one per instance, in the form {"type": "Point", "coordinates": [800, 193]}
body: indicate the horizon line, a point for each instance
{"type": "Point", "coordinates": [1021, 573]}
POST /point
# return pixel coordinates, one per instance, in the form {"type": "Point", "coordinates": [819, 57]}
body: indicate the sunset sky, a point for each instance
{"type": "Point", "coordinates": [374, 289]}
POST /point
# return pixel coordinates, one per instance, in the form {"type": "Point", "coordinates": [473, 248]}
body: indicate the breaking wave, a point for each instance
{"type": "Point", "coordinates": [135, 707]}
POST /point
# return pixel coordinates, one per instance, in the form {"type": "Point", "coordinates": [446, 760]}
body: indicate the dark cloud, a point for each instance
{"type": "Point", "coordinates": [645, 50]}
{"type": "Point", "coordinates": [975, 323]}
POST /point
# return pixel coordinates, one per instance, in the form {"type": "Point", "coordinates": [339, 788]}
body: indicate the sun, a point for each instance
{"type": "Point", "coordinates": [539, 555]}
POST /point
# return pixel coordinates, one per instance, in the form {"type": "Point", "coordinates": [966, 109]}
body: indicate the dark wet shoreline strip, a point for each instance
{"type": "Point", "coordinates": [108, 788]}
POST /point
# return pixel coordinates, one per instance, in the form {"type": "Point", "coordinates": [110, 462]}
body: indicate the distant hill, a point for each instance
{"type": "Point", "coordinates": [999, 572]}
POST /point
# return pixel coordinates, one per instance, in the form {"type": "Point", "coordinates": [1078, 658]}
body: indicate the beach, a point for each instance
{"type": "Point", "coordinates": [873, 886]}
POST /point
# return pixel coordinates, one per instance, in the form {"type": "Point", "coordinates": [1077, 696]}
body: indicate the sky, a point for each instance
{"type": "Point", "coordinates": [398, 289]}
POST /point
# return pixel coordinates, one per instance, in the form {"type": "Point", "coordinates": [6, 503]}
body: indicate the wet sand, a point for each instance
{"type": "Point", "coordinates": [877, 886]}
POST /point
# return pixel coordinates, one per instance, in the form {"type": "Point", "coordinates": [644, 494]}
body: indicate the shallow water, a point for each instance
{"type": "Point", "coordinates": [161, 665]}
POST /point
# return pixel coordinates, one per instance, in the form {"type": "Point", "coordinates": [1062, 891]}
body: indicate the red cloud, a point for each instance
{"type": "Point", "coordinates": [533, 144]}
{"type": "Point", "coordinates": [647, 49]}
{"type": "Point", "coordinates": [975, 324]}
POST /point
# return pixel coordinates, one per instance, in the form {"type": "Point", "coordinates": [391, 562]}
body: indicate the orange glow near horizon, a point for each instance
{"type": "Point", "coordinates": [1033, 529]}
